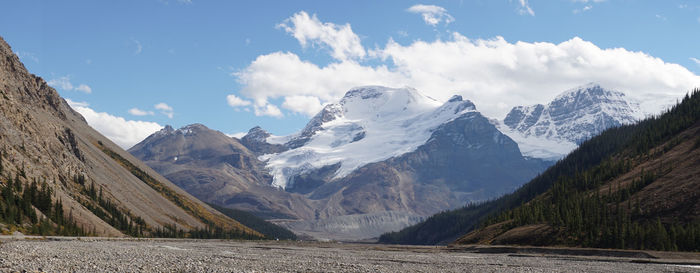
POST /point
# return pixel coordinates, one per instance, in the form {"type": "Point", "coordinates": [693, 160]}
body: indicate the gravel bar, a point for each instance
{"type": "Point", "coordinates": [106, 255]}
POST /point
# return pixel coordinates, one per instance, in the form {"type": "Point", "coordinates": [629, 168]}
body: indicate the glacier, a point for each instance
{"type": "Point", "coordinates": [369, 124]}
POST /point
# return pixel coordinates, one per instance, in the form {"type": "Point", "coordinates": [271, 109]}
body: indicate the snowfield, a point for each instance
{"type": "Point", "coordinates": [370, 124]}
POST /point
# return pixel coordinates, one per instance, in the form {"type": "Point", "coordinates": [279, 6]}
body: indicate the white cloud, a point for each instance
{"type": "Point", "coordinates": [74, 104]}
{"type": "Point", "coordinates": [125, 133]}
{"type": "Point", "coordinates": [139, 112]}
{"type": "Point", "coordinates": [495, 74]}
{"type": "Point", "coordinates": [268, 110]}
{"type": "Point", "coordinates": [525, 8]}
{"type": "Point", "coordinates": [279, 75]}
{"type": "Point", "coordinates": [342, 41]}
{"type": "Point", "coordinates": [165, 109]}
{"type": "Point", "coordinates": [432, 15]}
{"type": "Point", "coordinates": [64, 83]}
{"type": "Point", "coordinates": [307, 105]}
{"type": "Point", "coordinates": [84, 88]}
{"type": "Point", "coordinates": [235, 101]}
{"type": "Point", "coordinates": [696, 60]}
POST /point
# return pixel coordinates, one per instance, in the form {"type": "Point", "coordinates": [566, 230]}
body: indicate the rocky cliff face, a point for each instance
{"type": "Point", "coordinates": [42, 138]}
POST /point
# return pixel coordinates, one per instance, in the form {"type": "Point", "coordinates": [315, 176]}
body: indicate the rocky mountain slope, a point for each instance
{"type": "Point", "coordinates": [219, 170]}
{"type": "Point", "coordinates": [96, 186]}
{"type": "Point", "coordinates": [551, 131]}
{"type": "Point", "coordinates": [387, 157]}
{"type": "Point", "coordinates": [634, 186]}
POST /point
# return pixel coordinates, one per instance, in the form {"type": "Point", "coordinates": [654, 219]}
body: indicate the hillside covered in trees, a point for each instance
{"type": "Point", "coordinates": [635, 186]}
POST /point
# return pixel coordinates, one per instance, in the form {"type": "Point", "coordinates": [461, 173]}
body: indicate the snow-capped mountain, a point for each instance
{"type": "Point", "coordinates": [377, 160]}
{"type": "Point", "coordinates": [369, 124]}
{"type": "Point", "coordinates": [553, 130]}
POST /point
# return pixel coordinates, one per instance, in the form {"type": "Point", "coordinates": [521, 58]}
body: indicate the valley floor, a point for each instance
{"type": "Point", "coordinates": [165, 255]}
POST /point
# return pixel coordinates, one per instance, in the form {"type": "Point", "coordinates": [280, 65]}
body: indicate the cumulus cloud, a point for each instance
{"type": "Point", "coordinates": [64, 83]}
{"type": "Point", "coordinates": [284, 74]}
{"type": "Point", "coordinates": [84, 88]}
{"type": "Point", "coordinates": [340, 39]}
{"type": "Point", "coordinates": [432, 15]}
{"type": "Point", "coordinates": [494, 73]}
{"type": "Point", "coordinates": [308, 105]}
{"type": "Point", "coordinates": [125, 133]}
{"type": "Point", "coordinates": [525, 8]}
{"type": "Point", "coordinates": [165, 109]}
{"type": "Point", "coordinates": [268, 110]}
{"type": "Point", "coordinates": [235, 101]}
{"type": "Point", "coordinates": [139, 112]}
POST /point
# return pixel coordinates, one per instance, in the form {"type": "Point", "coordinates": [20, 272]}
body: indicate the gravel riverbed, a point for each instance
{"type": "Point", "coordinates": [104, 255]}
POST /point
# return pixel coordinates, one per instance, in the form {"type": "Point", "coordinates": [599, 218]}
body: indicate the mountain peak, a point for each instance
{"type": "Point", "coordinates": [256, 129]}
{"type": "Point", "coordinates": [369, 124]}
{"type": "Point", "coordinates": [167, 129]}
{"type": "Point", "coordinates": [191, 129]}
{"type": "Point", "coordinates": [591, 89]}
{"type": "Point", "coordinates": [256, 134]}
{"type": "Point", "coordinates": [455, 98]}
{"type": "Point", "coordinates": [373, 91]}
{"type": "Point", "coordinates": [575, 115]}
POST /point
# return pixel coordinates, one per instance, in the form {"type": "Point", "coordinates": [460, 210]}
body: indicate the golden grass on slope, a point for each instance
{"type": "Point", "coordinates": [192, 208]}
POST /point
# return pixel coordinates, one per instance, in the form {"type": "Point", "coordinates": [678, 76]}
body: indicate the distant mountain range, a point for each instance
{"type": "Point", "coordinates": [387, 157]}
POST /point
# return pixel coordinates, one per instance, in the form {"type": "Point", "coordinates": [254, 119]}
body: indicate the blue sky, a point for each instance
{"type": "Point", "coordinates": [133, 66]}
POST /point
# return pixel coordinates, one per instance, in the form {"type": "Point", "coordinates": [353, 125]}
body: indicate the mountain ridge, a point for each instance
{"type": "Point", "coordinates": [55, 150]}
